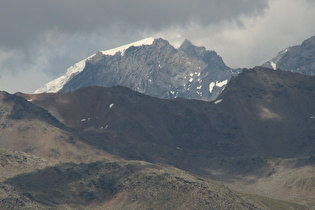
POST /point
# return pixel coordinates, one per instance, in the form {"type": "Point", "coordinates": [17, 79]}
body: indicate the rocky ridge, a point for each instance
{"type": "Point", "coordinates": [156, 69]}
{"type": "Point", "coordinates": [299, 58]}
{"type": "Point", "coordinates": [260, 112]}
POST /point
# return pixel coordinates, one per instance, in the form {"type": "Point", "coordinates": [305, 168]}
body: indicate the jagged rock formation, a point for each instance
{"type": "Point", "coordinates": [157, 69]}
{"type": "Point", "coordinates": [300, 58]}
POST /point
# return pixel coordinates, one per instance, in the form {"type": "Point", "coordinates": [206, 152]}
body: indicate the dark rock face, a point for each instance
{"type": "Point", "coordinates": [274, 110]}
{"type": "Point", "coordinates": [158, 70]}
{"type": "Point", "coordinates": [300, 58]}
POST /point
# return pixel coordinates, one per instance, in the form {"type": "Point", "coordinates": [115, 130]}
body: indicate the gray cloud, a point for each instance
{"type": "Point", "coordinates": [22, 22]}
{"type": "Point", "coordinates": [247, 41]}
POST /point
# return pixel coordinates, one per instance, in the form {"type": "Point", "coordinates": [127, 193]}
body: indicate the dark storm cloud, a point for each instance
{"type": "Point", "coordinates": [22, 21]}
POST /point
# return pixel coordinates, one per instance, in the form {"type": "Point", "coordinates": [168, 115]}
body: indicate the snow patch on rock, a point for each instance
{"type": "Point", "coordinates": [221, 84]}
{"type": "Point", "coordinates": [211, 86]}
{"type": "Point", "coordinates": [218, 101]}
{"type": "Point", "coordinates": [273, 65]}
{"type": "Point", "coordinates": [217, 84]}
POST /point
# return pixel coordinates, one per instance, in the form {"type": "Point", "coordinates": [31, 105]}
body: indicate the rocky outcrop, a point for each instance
{"type": "Point", "coordinates": [300, 58]}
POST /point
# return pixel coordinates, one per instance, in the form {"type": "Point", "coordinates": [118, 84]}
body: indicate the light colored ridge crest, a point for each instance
{"type": "Point", "coordinates": [57, 84]}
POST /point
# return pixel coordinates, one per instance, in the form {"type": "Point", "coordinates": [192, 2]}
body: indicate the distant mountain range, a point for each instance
{"type": "Point", "coordinates": [153, 67]}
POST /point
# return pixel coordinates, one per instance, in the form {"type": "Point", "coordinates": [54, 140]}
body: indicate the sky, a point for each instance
{"type": "Point", "coordinates": [40, 39]}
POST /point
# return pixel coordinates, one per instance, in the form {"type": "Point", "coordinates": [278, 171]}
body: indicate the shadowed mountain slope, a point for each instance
{"type": "Point", "coordinates": [260, 111]}
{"type": "Point", "coordinates": [128, 121]}
{"type": "Point", "coordinates": [28, 128]}
{"type": "Point", "coordinates": [274, 110]}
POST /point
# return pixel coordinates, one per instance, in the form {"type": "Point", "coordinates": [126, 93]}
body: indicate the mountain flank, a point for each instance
{"type": "Point", "coordinates": [261, 119]}
{"type": "Point", "coordinates": [119, 185]}
{"type": "Point", "coordinates": [299, 58]}
{"type": "Point", "coordinates": [261, 111]}
{"type": "Point", "coordinates": [25, 127]}
{"type": "Point", "coordinates": [274, 110]}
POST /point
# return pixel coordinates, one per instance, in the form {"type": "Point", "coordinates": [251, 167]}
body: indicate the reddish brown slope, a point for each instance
{"type": "Point", "coordinates": [28, 128]}
{"type": "Point", "coordinates": [260, 111]}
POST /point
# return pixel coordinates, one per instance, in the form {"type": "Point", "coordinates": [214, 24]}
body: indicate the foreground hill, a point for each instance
{"type": "Point", "coordinates": [25, 127]}
{"type": "Point", "coordinates": [123, 185]}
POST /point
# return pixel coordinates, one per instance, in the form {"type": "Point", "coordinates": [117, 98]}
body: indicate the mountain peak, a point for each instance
{"type": "Point", "coordinates": [160, 43]}
{"type": "Point", "coordinates": [123, 48]}
{"type": "Point", "coordinates": [57, 84]}
{"type": "Point", "coordinates": [191, 49]}
{"type": "Point", "coordinates": [186, 43]}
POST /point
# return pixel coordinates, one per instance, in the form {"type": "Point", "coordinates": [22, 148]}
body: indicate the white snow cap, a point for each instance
{"type": "Point", "coordinates": [122, 49]}
{"type": "Point", "coordinates": [57, 84]}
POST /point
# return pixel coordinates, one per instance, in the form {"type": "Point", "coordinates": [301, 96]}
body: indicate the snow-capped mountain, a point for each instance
{"type": "Point", "coordinates": [153, 67]}
{"type": "Point", "coordinates": [57, 84]}
{"type": "Point", "coordinates": [300, 58]}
